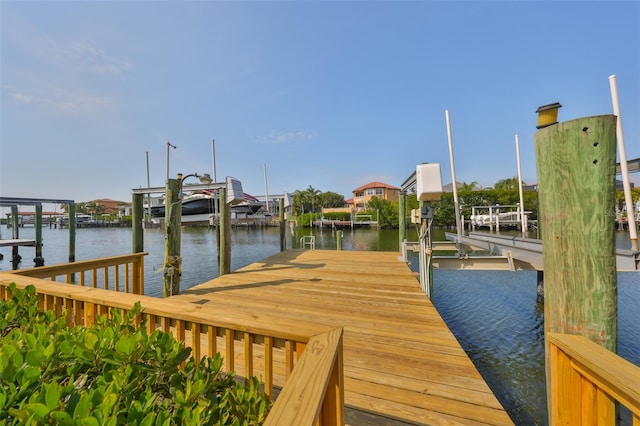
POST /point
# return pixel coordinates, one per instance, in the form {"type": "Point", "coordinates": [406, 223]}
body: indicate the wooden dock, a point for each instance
{"type": "Point", "coordinates": [17, 242]}
{"type": "Point", "coordinates": [402, 365]}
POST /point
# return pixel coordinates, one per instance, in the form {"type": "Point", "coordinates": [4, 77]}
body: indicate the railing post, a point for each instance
{"type": "Point", "coordinates": [333, 403]}
{"type": "Point", "coordinates": [137, 276]}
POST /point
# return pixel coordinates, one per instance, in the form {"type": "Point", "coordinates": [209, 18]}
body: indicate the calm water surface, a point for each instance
{"type": "Point", "coordinates": [493, 314]}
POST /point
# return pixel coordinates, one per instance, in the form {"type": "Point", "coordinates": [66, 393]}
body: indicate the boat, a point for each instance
{"type": "Point", "coordinates": [202, 202]}
{"type": "Point", "coordinates": [81, 219]}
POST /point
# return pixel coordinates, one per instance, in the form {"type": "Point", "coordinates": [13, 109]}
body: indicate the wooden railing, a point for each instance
{"type": "Point", "coordinates": [120, 273]}
{"type": "Point", "coordinates": [306, 362]}
{"type": "Point", "coordinates": [587, 380]}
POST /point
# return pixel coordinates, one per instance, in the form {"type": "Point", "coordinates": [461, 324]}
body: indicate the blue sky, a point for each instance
{"type": "Point", "coordinates": [328, 94]}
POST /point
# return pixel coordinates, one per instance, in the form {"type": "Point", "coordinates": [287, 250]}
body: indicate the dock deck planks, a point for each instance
{"type": "Point", "coordinates": [401, 361]}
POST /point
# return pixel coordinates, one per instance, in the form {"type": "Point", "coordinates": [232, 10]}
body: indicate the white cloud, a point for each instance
{"type": "Point", "coordinates": [60, 72]}
{"type": "Point", "coordinates": [63, 100]}
{"type": "Point", "coordinates": [110, 69]}
{"type": "Point", "coordinates": [287, 137]}
{"type": "Point", "coordinates": [21, 97]}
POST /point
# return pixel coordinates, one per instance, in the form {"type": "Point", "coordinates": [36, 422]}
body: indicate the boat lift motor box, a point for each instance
{"type": "Point", "coordinates": [235, 195]}
{"type": "Point", "coordinates": [428, 182]}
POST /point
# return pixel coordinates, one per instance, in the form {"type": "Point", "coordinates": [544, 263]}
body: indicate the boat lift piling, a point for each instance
{"type": "Point", "coordinates": [633, 233]}
{"type": "Point", "coordinates": [230, 191]}
{"type": "Point", "coordinates": [456, 204]}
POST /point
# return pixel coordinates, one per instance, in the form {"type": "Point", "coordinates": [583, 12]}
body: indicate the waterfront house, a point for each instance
{"type": "Point", "coordinates": [106, 206]}
{"type": "Point", "coordinates": [363, 194]}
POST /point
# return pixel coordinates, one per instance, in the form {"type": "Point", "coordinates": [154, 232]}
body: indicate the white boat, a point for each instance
{"type": "Point", "coordinates": [203, 203]}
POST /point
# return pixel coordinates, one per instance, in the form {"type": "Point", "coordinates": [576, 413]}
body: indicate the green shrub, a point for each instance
{"type": "Point", "coordinates": [111, 373]}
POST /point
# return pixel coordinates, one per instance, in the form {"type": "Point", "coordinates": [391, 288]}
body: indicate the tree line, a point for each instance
{"type": "Point", "coordinates": [504, 192]}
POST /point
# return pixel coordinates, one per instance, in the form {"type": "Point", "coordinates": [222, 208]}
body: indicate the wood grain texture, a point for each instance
{"type": "Point", "coordinates": [576, 174]}
{"type": "Point", "coordinates": [400, 359]}
{"type": "Point", "coordinates": [587, 379]}
{"type": "Point", "coordinates": [296, 404]}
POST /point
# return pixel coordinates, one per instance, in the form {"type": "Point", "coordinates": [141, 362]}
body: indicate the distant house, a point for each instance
{"type": "Point", "coordinates": [363, 194]}
{"type": "Point", "coordinates": [107, 206]}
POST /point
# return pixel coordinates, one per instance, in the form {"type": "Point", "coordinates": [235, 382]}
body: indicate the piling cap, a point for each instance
{"type": "Point", "coordinates": [555, 105]}
{"type": "Point", "coordinates": [547, 115]}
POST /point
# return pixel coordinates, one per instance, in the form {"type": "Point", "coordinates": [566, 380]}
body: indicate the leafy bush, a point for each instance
{"type": "Point", "coordinates": [111, 373]}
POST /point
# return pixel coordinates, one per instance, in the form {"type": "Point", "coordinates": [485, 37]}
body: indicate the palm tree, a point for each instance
{"type": "Point", "coordinates": [312, 195]}
{"type": "Point", "coordinates": [507, 184]}
{"type": "Point", "coordinates": [468, 186]}
{"type": "Point", "coordinates": [299, 198]}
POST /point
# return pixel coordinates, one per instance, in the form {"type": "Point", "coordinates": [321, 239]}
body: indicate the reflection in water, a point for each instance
{"type": "Point", "coordinates": [496, 319]}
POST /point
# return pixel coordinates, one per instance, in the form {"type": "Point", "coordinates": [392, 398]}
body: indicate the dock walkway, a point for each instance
{"type": "Point", "coordinates": [402, 365]}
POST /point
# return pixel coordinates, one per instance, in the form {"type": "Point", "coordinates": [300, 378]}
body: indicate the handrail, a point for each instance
{"type": "Point", "coordinates": [587, 380]}
{"type": "Point", "coordinates": [236, 334]}
{"type": "Point", "coordinates": [113, 271]}
{"type": "Point", "coordinates": [315, 390]}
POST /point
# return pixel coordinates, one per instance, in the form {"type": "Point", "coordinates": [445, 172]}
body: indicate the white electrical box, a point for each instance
{"type": "Point", "coordinates": [235, 195]}
{"type": "Point", "coordinates": [428, 182]}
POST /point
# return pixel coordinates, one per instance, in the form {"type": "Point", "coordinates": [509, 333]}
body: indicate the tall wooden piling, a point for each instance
{"type": "Point", "coordinates": [72, 232]}
{"type": "Point", "coordinates": [283, 243]}
{"type": "Point", "coordinates": [137, 216]}
{"type": "Point", "coordinates": [15, 234]}
{"type": "Point", "coordinates": [224, 243]}
{"type": "Point", "coordinates": [576, 173]}
{"type": "Point", "coordinates": [172, 222]}
{"type": "Point", "coordinates": [38, 260]}
{"type": "Point", "coordinates": [402, 219]}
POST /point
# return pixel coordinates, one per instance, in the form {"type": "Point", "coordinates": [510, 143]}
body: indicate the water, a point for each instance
{"type": "Point", "coordinates": [493, 314]}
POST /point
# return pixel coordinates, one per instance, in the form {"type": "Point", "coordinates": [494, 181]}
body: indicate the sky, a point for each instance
{"type": "Point", "coordinates": [328, 94]}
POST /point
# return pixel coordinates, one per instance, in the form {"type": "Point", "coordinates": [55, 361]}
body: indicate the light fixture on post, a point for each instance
{"type": "Point", "coordinates": [204, 178]}
{"type": "Point", "coordinates": [169, 145]}
{"type": "Point", "coordinates": [547, 115]}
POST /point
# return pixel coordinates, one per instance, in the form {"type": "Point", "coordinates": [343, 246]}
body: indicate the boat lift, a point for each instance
{"type": "Point", "coordinates": [16, 242]}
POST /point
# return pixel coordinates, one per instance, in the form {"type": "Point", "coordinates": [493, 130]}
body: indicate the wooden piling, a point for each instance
{"type": "Point", "coordinates": [576, 173]}
{"type": "Point", "coordinates": [15, 234]}
{"type": "Point", "coordinates": [540, 287]}
{"type": "Point", "coordinates": [72, 232]}
{"type": "Point", "coordinates": [172, 222]}
{"type": "Point", "coordinates": [136, 222]}
{"type": "Point", "coordinates": [224, 243]}
{"type": "Point", "coordinates": [283, 243]}
{"type": "Point", "coordinates": [402, 219]}
{"type": "Point", "coordinates": [38, 260]}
